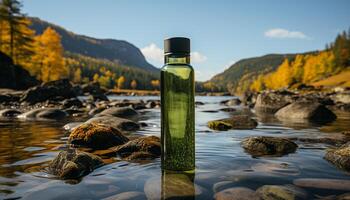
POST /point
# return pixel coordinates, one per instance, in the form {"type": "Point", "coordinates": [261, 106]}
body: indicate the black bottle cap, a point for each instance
{"type": "Point", "coordinates": [177, 45]}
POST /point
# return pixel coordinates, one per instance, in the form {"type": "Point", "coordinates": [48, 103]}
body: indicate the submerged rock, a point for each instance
{"type": "Point", "coordinates": [44, 113]}
{"type": "Point", "coordinates": [122, 112]}
{"type": "Point", "coordinates": [116, 122]}
{"type": "Point", "coordinates": [306, 110]}
{"type": "Point", "coordinates": [132, 195]}
{"type": "Point", "coordinates": [9, 112]}
{"type": "Point", "coordinates": [323, 183]}
{"type": "Point", "coordinates": [280, 192]}
{"type": "Point", "coordinates": [339, 156]}
{"type": "Point", "coordinates": [264, 145]}
{"type": "Point", "coordinates": [72, 164]}
{"type": "Point", "coordinates": [97, 136]}
{"type": "Point", "coordinates": [140, 148]}
{"type": "Point", "coordinates": [234, 193]}
{"type": "Point", "coordinates": [235, 122]}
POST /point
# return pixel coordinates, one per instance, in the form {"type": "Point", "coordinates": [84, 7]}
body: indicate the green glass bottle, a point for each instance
{"type": "Point", "coordinates": [177, 106]}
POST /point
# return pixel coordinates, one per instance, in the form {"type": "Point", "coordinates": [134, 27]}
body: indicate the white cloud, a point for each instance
{"type": "Point", "coordinates": [153, 53]}
{"type": "Point", "coordinates": [283, 33]}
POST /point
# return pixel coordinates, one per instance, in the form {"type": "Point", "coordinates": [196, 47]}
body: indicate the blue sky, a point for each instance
{"type": "Point", "coordinates": [222, 32]}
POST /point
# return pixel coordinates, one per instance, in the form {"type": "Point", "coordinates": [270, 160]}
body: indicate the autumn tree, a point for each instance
{"type": "Point", "coordinates": [48, 61]}
{"type": "Point", "coordinates": [120, 82]}
{"type": "Point", "coordinates": [133, 84]}
{"type": "Point", "coordinates": [155, 84]}
{"type": "Point", "coordinates": [16, 38]}
{"type": "Point", "coordinates": [77, 75]}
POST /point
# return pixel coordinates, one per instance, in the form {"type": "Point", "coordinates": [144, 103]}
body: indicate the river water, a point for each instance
{"type": "Point", "coordinates": [26, 148]}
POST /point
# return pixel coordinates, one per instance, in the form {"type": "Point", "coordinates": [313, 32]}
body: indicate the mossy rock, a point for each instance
{"type": "Point", "coordinates": [219, 125]}
{"type": "Point", "coordinates": [234, 122]}
{"type": "Point", "coordinates": [97, 136]}
{"type": "Point", "coordinates": [340, 157]}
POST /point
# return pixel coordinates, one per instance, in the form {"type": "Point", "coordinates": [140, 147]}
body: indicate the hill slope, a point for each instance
{"type": "Point", "coordinates": [248, 69]}
{"type": "Point", "coordinates": [118, 51]}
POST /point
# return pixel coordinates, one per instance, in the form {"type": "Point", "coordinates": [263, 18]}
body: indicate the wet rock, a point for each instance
{"type": "Point", "coordinates": [323, 183]}
{"type": "Point", "coordinates": [272, 101]}
{"type": "Point", "coordinates": [132, 195]}
{"type": "Point", "coordinates": [140, 148]}
{"type": "Point", "coordinates": [9, 112]}
{"type": "Point", "coordinates": [173, 186]}
{"type": "Point", "coordinates": [116, 122]}
{"type": "Point", "coordinates": [96, 136]}
{"type": "Point", "coordinates": [235, 122]}
{"type": "Point", "coordinates": [72, 164]}
{"type": "Point", "coordinates": [345, 196]}
{"type": "Point", "coordinates": [228, 109]}
{"type": "Point", "coordinates": [44, 113]}
{"type": "Point", "coordinates": [72, 125]}
{"type": "Point", "coordinates": [97, 110]}
{"type": "Point", "coordinates": [73, 102]}
{"type": "Point", "coordinates": [231, 102]}
{"type": "Point", "coordinates": [264, 145]}
{"type": "Point", "coordinates": [236, 193]}
{"type": "Point", "coordinates": [222, 185]}
{"type": "Point", "coordinates": [123, 112]}
{"type": "Point", "coordinates": [151, 104]}
{"type": "Point", "coordinates": [306, 110]}
{"type": "Point", "coordinates": [280, 192]}
{"type": "Point", "coordinates": [339, 156]}
{"type": "Point", "coordinates": [98, 97]}
{"type": "Point", "coordinates": [343, 97]}
{"type": "Point", "coordinates": [49, 91]}
{"type": "Point", "coordinates": [199, 103]}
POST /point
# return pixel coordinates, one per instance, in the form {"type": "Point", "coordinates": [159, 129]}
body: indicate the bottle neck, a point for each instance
{"type": "Point", "coordinates": [177, 58]}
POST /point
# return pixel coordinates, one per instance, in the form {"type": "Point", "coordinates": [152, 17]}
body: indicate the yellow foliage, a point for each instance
{"type": "Point", "coordinates": [120, 82]}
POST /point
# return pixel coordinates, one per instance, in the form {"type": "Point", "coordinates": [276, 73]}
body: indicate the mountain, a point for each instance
{"type": "Point", "coordinates": [118, 51]}
{"type": "Point", "coordinates": [246, 70]}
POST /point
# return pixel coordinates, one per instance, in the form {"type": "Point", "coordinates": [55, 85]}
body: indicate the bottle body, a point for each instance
{"type": "Point", "coordinates": [177, 114]}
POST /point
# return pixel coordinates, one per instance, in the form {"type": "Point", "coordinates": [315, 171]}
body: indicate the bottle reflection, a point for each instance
{"type": "Point", "coordinates": [177, 185]}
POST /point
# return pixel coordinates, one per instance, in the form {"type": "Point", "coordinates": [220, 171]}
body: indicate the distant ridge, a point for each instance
{"type": "Point", "coordinates": [118, 51]}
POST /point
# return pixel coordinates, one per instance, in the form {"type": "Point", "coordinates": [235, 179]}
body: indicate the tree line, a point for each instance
{"type": "Point", "coordinates": [44, 56]}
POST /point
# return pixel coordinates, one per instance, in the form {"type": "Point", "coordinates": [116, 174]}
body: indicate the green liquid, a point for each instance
{"type": "Point", "coordinates": [177, 120]}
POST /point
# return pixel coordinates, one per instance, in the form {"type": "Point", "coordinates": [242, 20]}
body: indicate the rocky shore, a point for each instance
{"type": "Point", "coordinates": [107, 130]}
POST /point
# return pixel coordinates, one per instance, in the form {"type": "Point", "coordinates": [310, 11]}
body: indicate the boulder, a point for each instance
{"type": "Point", "coordinates": [281, 192]}
{"type": "Point", "coordinates": [44, 113]}
{"type": "Point", "coordinates": [96, 136]}
{"type": "Point", "coordinates": [264, 145]}
{"type": "Point", "coordinates": [140, 148]}
{"type": "Point", "coordinates": [123, 112]}
{"type": "Point", "coordinates": [73, 102]}
{"type": "Point", "coordinates": [234, 122]}
{"type": "Point", "coordinates": [306, 110]}
{"type": "Point", "coordinates": [339, 156]}
{"type": "Point", "coordinates": [9, 112]}
{"type": "Point", "coordinates": [116, 122]}
{"type": "Point", "coordinates": [272, 101]}
{"type": "Point", "coordinates": [236, 193]}
{"type": "Point", "coordinates": [53, 90]}
{"type": "Point", "coordinates": [72, 164]}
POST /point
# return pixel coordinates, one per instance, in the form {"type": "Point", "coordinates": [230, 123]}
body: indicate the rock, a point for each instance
{"type": "Point", "coordinates": [96, 136]}
{"type": "Point", "coordinates": [92, 88]}
{"type": "Point", "coordinates": [235, 122]}
{"type": "Point", "coordinates": [339, 156]}
{"type": "Point", "coordinates": [73, 102]}
{"type": "Point", "coordinates": [306, 110]}
{"type": "Point", "coordinates": [14, 76]}
{"type": "Point", "coordinates": [97, 110]}
{"type": "Point", "coordinates": [98, 97]}
{"type": "Point", "coordinates": [264, 145]}
{"type": "Point", "coordinates": [140, 148]}
{"type": "Point", "coordinates": [172, 186]}
{"type": "Point", "coordinates": [343, 97]}
{"type": "Point", "coordinates": [132, 195]}
{"type": "Point", "coordinates": [9, 112]}
{"type": "Point", "coordinates": [231, 102]}
{"type": "Point", "coordinates": [123, 112]}
{"type": "Point", "coordinates": [228, 109]}
{"type": "Point", "coordinates": [70, 126]}
{"type": "Point", "coordinates": [44, 113]}
{"type": "Point", "coordinates": [236, 193]}
{"type": "Point", "coordinates": [323, 183]}
{"type": "Point", "coordinates": [199, 103]}
{"type": "Point", "coordinates": [49, 91]}
{"type": "Point", "coordinates": [271, 102]}
{"type": "Point", "coordinates": [280, 192]}
{"type": "Point", "coordinates": [151, 104]}
{"type": "Point", "coordinates": [249, 98]}
{"type": "Point", "coordinates": [72, 164]}
{"type": "Point", "coordinates": [345, 196]}
{"type": "Point", "coordinates": [116, 122]}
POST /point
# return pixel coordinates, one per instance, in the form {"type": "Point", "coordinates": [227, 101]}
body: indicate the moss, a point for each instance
{"type": "Point", "coordinates": [219, 125]}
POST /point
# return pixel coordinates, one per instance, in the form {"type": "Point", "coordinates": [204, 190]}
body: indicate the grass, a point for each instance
{"type": "Point", "coordinates": [342, 79]}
